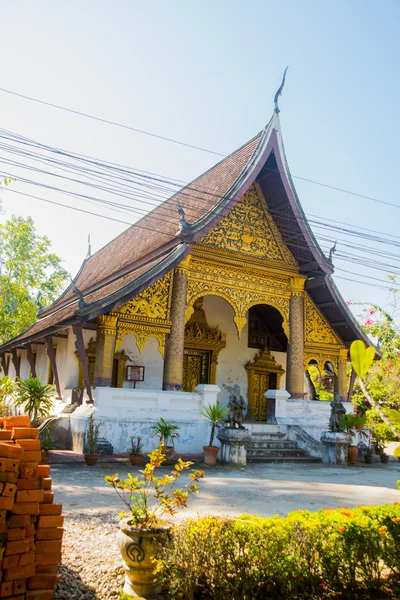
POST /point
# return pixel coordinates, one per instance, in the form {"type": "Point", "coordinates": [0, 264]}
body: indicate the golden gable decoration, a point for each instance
{"type": "Point", "coordinates": [250, 229]}
{"type": "Point", "coordinates": [153, 304]}
{"type": "Point", "coordinates": [317, 329]}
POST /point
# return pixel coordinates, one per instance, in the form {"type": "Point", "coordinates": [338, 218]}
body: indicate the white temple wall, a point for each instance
{"type": "Point", "coordinates": [232, 359]}
{"type": "Point", "coordinates": [150, 358]}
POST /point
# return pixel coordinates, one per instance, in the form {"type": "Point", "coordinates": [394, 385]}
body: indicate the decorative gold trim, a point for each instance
{"type": "Point", "coordinates": [321, 358]}
{"type": "Point", "coordinates": [107, 324]}
{"type": "Point", "coordinates": [297, 285]}
{"type": "Point", "coordinates": [90, 351]}
{"type": "Point", "coordinates": [150, 306]}
{"type": "Point", "coordinates": [142, 333]}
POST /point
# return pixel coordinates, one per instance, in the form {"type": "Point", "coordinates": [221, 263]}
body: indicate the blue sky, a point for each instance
{"type": "Point", "coordinates": [206, 74]}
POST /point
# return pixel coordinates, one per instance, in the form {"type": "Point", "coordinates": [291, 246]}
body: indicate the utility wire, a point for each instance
{"type": "Point", "coordinates": [180, 143]}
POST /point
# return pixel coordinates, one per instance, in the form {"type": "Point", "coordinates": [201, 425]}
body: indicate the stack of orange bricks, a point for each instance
{"type": "Point", "coordinates": [31, 525]}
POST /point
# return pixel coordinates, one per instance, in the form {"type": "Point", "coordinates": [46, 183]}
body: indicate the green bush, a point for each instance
{"type": "Point", "coordinates": [328, 554]}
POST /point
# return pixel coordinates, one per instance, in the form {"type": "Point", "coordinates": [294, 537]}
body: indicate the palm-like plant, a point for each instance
{"type": "Point", "coordinates": [36, 399]}
{"type": "Point", "coordinates": [7, 395]}
{"type": "Point", "coordinates": [214, 413]}
{"type": "Point", "coordinates": [165, 430]}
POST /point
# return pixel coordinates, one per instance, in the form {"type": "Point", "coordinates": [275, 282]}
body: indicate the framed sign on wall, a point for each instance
{"type": "Point", "coordinates": [134, 373]}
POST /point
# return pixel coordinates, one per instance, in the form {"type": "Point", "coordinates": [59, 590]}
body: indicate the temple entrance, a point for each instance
{"type": "Point", "coordinates": [265, 332]}
{"type": "Point", "coordinates": [202, 346]}
{"type": "Point", "coordinates": [196, 368]}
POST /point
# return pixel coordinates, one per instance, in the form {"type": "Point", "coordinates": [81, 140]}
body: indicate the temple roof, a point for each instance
{"type": "Point", "coordinates": [157, 243]}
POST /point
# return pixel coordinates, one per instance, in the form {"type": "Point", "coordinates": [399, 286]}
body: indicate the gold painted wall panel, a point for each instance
{"type": "Point", "coordinates": [317, 329]}
{"type": "Point", "coordinates": [250, 229]}
{"type": "Point", "coordinates": [151, 305]}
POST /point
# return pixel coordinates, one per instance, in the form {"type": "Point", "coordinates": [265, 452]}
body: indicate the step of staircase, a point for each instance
{"type": "Point", "coordinates": [281, 459]}
{"type": "Point", "coordinates": [273, 446]}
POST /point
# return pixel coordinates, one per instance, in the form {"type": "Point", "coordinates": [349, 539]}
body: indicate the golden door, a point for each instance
{"type": "Point", "coordinates": [196, 368]}
{"type": "Point", "coordinates": [258, 385]}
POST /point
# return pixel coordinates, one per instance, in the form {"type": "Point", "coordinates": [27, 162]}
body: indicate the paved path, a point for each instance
{"type": "Point", "coordinates": [258, 489]}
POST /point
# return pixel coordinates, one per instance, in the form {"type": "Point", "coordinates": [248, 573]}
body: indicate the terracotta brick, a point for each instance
{"type": "Point", "coordinates": [48, 497]}
{"type": "Point", "coordinates": [46, 483]}
{"type": "Point", "coordinates": [19, 597]}
{"type": "Point", "coordinates": [3, 514]}
{"type": "Point", "coordinates": [48, 559]}
{"type": "Point", "coordinates": [3, 528]}
{"type": "Point", "coordinates": [51, 521]}
{"type": "Point", "coordinates": [11, 451]}
{"type": "Point", "coordinates": [50, 509]}
{"type": "Point", "coordinates": [49, 533]}
{"type": "Point", "coordinates": [1, 487]}
{"type": "Point", "coordinates": [30, 484]}
{"type": "Point", "coordinates": [11, 464]}
{"type": "Point", "coordinates": [30, 529]}
{"type": "Point", "coordinates": [5, 434]}
{"type": "Point", "coordinates": [19, 573]}
{"type": "Point", "coordinates": [28, 470]}
{"type": "Point", "coordinates": [16, 421]}
{"type": "Point", "coordinates": [18, 533]}
{"type": "Point", "coordinates": [40, 595]}
{"type": "Point", "coordinates": [47, 546]}
{"type": "Point", "coordinates": [11, 561]}
{"type": "Point", "coordinates": [19, 586]}
{"type": "Point", "coordinates": [28, 444]}
{"type": "Point", "coordinates": [11, 477]}
{"type": "Point", "coordinates": [27, 559]}
{"type": "Point", "coordinates": [31, 456]}
{"type": "Point", "coordinates": [2, 550]}
{"type": "Point", "coordinates": [29, 496]}
{"type": "Point", "coordinates": [6, 589]}
{"type": "Point", "coordinates": [25, 433]}
{"type": "Point", "coordinates": [6, 503]}
{"type": "Point", "coordinates": [44, 581]}
{"type": "Point", "coordinates": [9, 490]}
{"type": "Point", "coordinates": [26, 508]}
{"type": "Point", "coordinates": [18, 521]}
{"type": "Point", "coordinates": [43, 470]}
{"type": "Point", "coordinates": [17, 547]}
{"type": "Point", "coordinates": [47, 569]}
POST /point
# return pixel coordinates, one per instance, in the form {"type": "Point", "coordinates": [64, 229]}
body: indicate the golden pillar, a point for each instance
{"type": "Point", "coordinates": [173, 363]}
{"type": "Point", "coordinates": [342, 374]}
{"type": "Point", "coordinates": [105, 349]}
{"type": "Point", "coordinates": [295, 351]}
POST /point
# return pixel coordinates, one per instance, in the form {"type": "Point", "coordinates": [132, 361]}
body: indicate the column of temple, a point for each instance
{"type": "Point", "coordinates": [295, 351]}
{"type": "Point", "coordinates": [105, 349]}
{"type": "Point", "coordinates": [173, 363]}
{"type": "Point", "coordinates": [342, 375]}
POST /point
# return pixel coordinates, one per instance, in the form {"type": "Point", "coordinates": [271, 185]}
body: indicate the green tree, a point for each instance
{"type": "Point", "coordinates": [35, 399]}
{"type": "Point", "coordinates": [29, 274]}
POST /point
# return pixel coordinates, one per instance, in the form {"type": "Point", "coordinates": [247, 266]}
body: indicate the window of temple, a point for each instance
{"type": "Point", "coordinates": [265, 328]}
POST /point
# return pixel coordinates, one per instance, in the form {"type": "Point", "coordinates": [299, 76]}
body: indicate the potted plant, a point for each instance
{"type": "Point", "coordinates": [147, 526]}
{"type": "Point", "coordinates": [92, 437]}
{"type": "Point", "coordinates": [368, 456]}
{"type": "Point", "coordinates": [46, 443]}
{"type": "Point", "coordinates": [380, 449]}
{"type": "Point", "coordinates": [166, 430]}
{"type": "Point", "coordinates": [354, 424]}
{"type": "Point", "coordinates": [35, 399]}
{"type": "Point", "coordinates": [213, 413]}
{"type": "Point", "coordinates": [135, 451]}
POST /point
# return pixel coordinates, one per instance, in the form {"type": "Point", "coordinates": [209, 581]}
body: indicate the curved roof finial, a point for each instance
{"type": "Point", "coordinates": [279, 92]}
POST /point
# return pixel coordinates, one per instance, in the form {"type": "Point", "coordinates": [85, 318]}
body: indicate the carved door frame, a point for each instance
{"type": "Point", "coordinates": [263, 364]}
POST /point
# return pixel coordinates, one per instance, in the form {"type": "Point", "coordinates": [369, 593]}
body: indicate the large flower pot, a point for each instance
{"type": "Point", "coordinates": [210, 455]}
{"type": "Point", "coordinates": [45, 459]}
{"type": "Point", "coordinates": [136, 459]}
{"type": "Point", "coordinates": [352, 454]}
{"type": "Point", "coordinates": [384, 457]}
{"type": "Point", "coordinates": [169, 453]}
{"type": "Point", "coordinates": [91, 459]}
{"type": "Point", "coordinates": [137, 547]}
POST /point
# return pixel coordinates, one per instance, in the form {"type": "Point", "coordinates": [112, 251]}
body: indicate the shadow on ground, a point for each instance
{"type": "Point", "coordinates": [72, 587]}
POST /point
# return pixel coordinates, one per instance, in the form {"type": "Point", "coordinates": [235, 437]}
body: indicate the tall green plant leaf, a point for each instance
{"type": "Point", "coordinates": [361, 357]}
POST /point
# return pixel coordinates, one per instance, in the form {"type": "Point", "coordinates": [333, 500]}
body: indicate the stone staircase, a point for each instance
{"type": "Point", "coordinates": [270, 444]}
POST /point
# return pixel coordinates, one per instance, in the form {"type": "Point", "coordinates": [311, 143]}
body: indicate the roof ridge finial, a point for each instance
{"type": "Point", "coordinates": [77, 291]}
{"type": "Point", "coordinates": [183, 224]}
{"type": "Point", "coordinates": [279, 92]}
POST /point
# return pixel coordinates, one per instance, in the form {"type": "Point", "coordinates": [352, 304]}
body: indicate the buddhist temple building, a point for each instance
{"type": "Point", "coordinates": [222, 284]}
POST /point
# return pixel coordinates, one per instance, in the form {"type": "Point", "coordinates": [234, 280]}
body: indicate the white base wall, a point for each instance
{"type": "Point", "coordinates": [132, 412]}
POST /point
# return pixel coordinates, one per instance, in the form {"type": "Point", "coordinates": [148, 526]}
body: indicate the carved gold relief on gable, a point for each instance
{"type": "Point", "coordinates": [317, 329]}
{"type": "Point", "coordinates": [153, 304]}
{"type": "Point", "coordinates": [250, 229]}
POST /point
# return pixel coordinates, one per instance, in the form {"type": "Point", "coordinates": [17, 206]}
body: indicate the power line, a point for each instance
{"type": "Point", "coordinates": [192, 146]}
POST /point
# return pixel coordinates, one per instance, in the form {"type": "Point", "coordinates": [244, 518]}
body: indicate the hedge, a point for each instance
{"type": "Point", "coordinates": [332, 553]}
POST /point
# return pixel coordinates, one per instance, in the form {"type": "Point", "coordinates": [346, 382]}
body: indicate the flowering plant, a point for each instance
{"type": "Point", "coordinates": [135, 492]}
{"type": "Point", "coordinates": [136, 448]}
